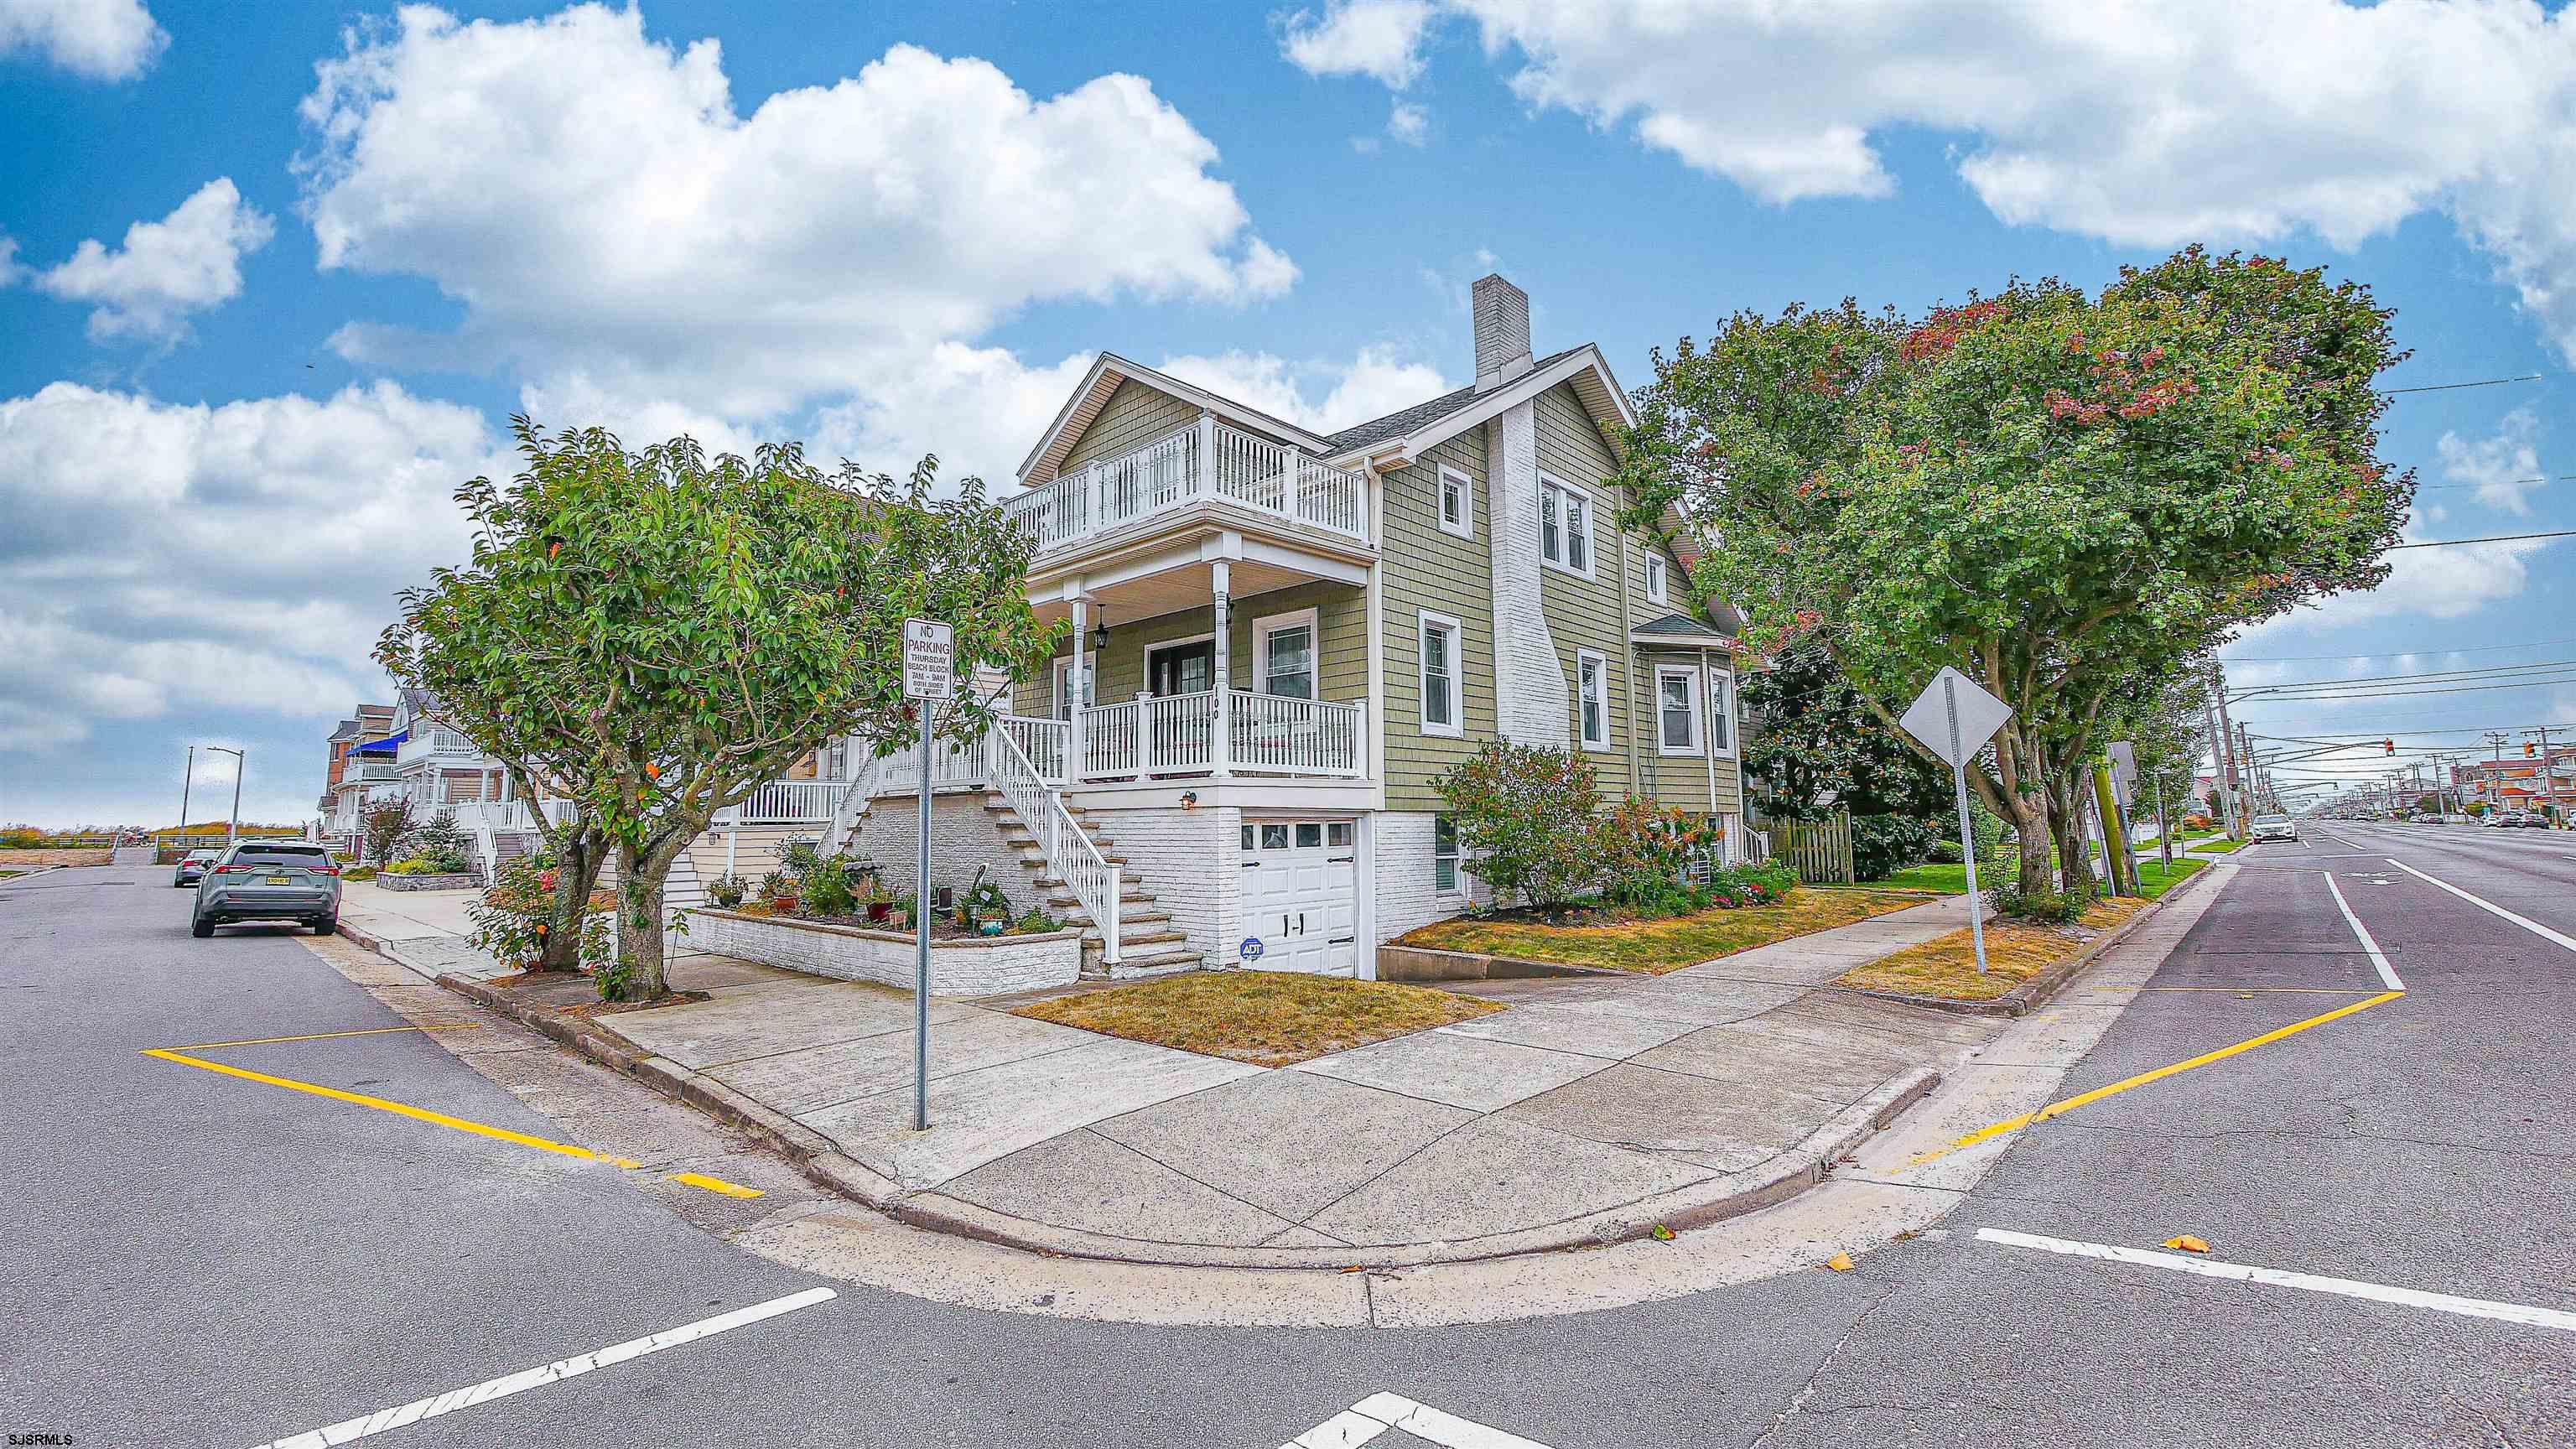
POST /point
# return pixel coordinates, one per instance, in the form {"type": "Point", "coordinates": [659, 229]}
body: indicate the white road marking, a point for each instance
{"type": "Point", "coordinates": [2280, 1278]}
{"type": "Point", "coordinates": [2490, 907]}
{"type": "Point", "coordinates": [1377, 1413]}
{"type": "Point", "coordinates": [349, 1430]}
{"type": "Point", "coordinates": [2378, 958]}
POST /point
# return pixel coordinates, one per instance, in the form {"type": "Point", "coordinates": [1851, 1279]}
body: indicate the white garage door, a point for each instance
{"type": "Point", "coordinates": [1301, 894]}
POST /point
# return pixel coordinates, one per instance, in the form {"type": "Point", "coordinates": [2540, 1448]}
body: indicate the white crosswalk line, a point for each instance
{"type": "Point", "coordinates": [1379, 1412]}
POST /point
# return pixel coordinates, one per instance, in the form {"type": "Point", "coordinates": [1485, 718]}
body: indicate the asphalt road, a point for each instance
{"type": "Point", "coordinates": [201, 1258]}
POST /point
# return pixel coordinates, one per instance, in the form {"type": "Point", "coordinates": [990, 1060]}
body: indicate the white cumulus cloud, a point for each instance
{"type": "Point", "coordinates": [2504, 466]}
{"type": "Point", "coordinates": [186, 262]}
{"type": "Point", "coordinates": [616, 227]}
{"type": "Point", "coordinates": [100, 39]}
{"type": "Point", "coordinates": [2143, 122]}
{"type": "Point", "coordinates": [1381, 39]}
{"type": "Point", "coordinates": [160, 559]}
{"type": "Point", "coordinates": [1323, 397]}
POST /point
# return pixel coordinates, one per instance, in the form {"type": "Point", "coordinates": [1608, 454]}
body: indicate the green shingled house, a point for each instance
{"type": "Point", "coordinates": [1282, 638]}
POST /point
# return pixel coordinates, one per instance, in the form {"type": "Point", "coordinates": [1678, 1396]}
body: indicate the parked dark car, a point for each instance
{"type": "Point", "coordinates": [264, 880]}
{"type": "Point", "coordinates": [192, 867]}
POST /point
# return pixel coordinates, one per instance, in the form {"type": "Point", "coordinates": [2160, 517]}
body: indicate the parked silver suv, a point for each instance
{"type": "Point", "coordinates": [269, 880]}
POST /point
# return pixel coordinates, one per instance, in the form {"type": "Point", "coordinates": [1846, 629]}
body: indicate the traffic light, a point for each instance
{"type": "Point", "coordinates": [2527, 748]}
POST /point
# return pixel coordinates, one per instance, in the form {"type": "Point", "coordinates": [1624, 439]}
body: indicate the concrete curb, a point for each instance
{"type": "Point", "coordinates": [34, 871]}
{"type": "Point", "coordinates": [2039, 990]}
{"type": "Point", "coordinates": [1776, 1180]}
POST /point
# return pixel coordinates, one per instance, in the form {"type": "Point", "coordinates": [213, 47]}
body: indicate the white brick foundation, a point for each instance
{"type": "Point", "coordinates": [844, 953]}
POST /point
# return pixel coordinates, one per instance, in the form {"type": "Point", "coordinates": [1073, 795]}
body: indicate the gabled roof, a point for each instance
{"type": "Point", "coordinates": [1403, 437]}
{"type": "Point", "coordinates": [1684, 631]}
{"type": "Point", "coordinates": [1422, 414]}
{"type": "Point", "coordinates": [1103, 379]}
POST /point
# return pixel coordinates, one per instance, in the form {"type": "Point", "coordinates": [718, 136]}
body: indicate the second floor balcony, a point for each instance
{"type": "Point", "coordinates": [1209, 465]}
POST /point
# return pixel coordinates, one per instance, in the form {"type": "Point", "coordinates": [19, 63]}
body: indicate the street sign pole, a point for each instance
{"type": "Point", "coordinates": [1967, 827]}
{"type": "Point", "coordinates": [929, 675]}
{"type": "Point", "coordinates": [921, 944]}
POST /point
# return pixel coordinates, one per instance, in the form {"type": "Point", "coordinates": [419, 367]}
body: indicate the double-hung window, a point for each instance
{"type": "Point", "coordinates": [1721, 712]}
{"type": "Point", "coordinates": [1564, 526]}
{"type": "Point", "coordinates": [1444, 855]}
{"type": "Point", "coordinates": [1440, 676]}
{"type": "Point", "coordinates": [1457, 503]}
{"type": "Point", "coordinates": [1657, 592]}
{"type": "Point", "coordinates": [1592, 699]}
{"type": "Point", "coordinates": [1284, 654]}
{"type": "Point", "coordinates": [1676, 709]}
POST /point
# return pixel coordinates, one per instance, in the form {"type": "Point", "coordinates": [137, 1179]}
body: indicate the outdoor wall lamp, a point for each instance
{"type": "Point", "coordinates": [1189, 799]}
{"type": "Point", "coordinates": [1100, 637]}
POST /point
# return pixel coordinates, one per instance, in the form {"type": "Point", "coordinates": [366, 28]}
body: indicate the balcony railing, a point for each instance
{"type": "Point", "coordinates": [791, 802]}
{"type": "Point", "coordinates": [1177, 734]}
{"type": "Point", "coordinates": [1209, 463]}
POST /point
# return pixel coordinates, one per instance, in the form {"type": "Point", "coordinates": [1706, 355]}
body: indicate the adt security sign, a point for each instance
{"type": "Point", "coordinates": [929, 659]}
{"type": "Point", "coordinates": [1250, 950]}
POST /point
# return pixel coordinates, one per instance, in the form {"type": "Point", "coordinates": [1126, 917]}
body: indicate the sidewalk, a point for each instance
{"type": "Point", "coordinates": [424, 930]}
{"type": "Point", "coordinates": [1592, 1110]}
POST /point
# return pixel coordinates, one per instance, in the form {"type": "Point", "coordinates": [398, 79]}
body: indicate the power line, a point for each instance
{"type": "Point", "coordinates": [2499, 483]}
{"type": "Point", "coordinates": [2454, 386]}
{"type": "Point", "coordinates": [2496, 671]}
{"type": "Point", "coordinates": [2409, 693]}
{"type": "Point", "coordinates": [2397, 654]}
{"type": "Point", "coordinates": [2492, 538]}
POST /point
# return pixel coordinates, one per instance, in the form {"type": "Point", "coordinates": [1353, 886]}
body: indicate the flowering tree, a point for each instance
{"type": "Point", "coordinates": [659, 634]}
{"type": "Point", "coordinates": [2069, 497]}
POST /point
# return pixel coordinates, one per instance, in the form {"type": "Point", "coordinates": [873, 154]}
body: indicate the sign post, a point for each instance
{"type": "Point", "coordinates": [1955, 718]}
{"type": "Point", "coordinates": [929, 675]}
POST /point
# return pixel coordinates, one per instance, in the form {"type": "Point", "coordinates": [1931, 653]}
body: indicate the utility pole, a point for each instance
{"type": "Point", "coordinates": [2548, 773]}
{"type": "Point", "coordinates": [186, 780]}
{"type": "Point", "coordinates": [2225, 754]}
{"type": "Point", "coordinates": [241, 767]}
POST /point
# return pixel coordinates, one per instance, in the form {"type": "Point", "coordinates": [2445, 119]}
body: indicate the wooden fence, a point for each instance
{"type": "Point", "coordinates": [1821, 850]}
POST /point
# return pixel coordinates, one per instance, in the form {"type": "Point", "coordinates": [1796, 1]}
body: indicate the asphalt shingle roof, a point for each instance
{"type": "Point", "coordinates": [1728, 623]}
{"type": "Point", "coordinates": [1397, 424]}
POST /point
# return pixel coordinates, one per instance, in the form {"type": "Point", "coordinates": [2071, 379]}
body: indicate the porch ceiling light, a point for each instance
{"type": "Point", "coordinates": [1100, 637]}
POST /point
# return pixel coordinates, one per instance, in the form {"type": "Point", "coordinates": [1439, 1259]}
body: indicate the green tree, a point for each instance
{"type": "Point", "coordinates": [2067, 496]}
{"type": "Point", "coordinates": [658, 634]}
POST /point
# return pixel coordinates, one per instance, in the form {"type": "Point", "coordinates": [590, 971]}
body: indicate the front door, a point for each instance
{"type": "Point", "coordinates": [1301, 895]}
{"type": "Point", "coordinates": [1181, 669]}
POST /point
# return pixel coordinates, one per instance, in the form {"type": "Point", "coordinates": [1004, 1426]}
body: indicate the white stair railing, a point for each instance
{"type": "Point", "coordinates": [1077, 862]}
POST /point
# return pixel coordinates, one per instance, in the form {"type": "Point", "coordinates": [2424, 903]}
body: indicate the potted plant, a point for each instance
{"type": "Point", "coordinates": [727, 890]}
{"type": "Point", "coordinates": [880, 903]}
{"type": "Point", "coordinates": [779, 889]}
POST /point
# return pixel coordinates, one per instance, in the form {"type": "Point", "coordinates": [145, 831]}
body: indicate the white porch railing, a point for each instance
{"type": "Point", "coordinates": [1077, 862]}
{"type": "Point", "coordinates": [1176, 735]}
{"type": "Point", "coordinates": [1208, 463]}
{"type": "Point", "coordinates": [791, 802]}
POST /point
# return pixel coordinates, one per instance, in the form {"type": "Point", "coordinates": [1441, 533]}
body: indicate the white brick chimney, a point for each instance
{"type": "Point", "coordinates": [1502, 332]}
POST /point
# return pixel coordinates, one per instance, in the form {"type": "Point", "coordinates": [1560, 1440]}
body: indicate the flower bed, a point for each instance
{"type": "Point", "coordinates": [959, 966]}
{"type": "Point", "coordinates": [441, 881]}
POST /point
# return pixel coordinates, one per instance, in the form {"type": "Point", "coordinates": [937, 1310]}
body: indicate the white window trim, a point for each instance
{"type": "Point", "coordinates": [1268, 624]}
{"type": "Point", "coordinates": [1457, 859]}
{"type": "Point", "coordinates": [1657, 591]}
{"type": "Point", "coordinates": [1465, 527]}
{"type": "Point", "coordinates": [1060, 687]}
{"type": "Point", "coordinates": [1591, 534]}
{"type": "Point", "coordinates": [1699, 729]}
{"type": "Point", "coordinates": [1601, 687]}
{"type": "Point", "coordinates": [1727, 708]}
{"type": "Point", "coordinates": [1159, 645]}
{"type": "Point", "coordinates": [1424, 623]}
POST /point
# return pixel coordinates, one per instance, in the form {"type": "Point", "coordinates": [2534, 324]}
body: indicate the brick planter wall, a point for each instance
{"type": "Point", "coordinates": [988, 967]}
{"type": "Point", "coordinates": [458, 881]}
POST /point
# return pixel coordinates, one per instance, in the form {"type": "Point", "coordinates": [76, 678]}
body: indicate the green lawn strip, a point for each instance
{"type": "Point", "coordinates": [1948, 880]}
{"type": "Point", "coordinates": [2155, 880]}
{"type": "Point", "coordinates": [1655, 947]}
{"type": "Point", "coordinates": [2216, 845]}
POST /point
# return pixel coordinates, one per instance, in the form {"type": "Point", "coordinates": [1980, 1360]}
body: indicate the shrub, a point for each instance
{"type": "Point", "coordinates": [382, 828]}
{"type": "Point", "coordinates": [415, 866]}
{"type": "Point", "coordinates": [443, 843]}
{"type": "Point", "coordinates": [2195, 822]}
{"type": "Point", "coordinates": [827, 889]}
{"type": "Point", "coordinates": [359, 872]}
{"type": "Point", "coordinates": [1763, 883]}
{"type": "Point", "coordinates": [1035, 923]}
{"type": "Point", "coordinates": [776, 884]}
{"type": "Point", "coordinates": [2053, 907]}
{"type": "Point", "coordinates": [510, 919]}
{"type": "Point", "coordinates": [1645, 855]}
{"type": "Point", "coordinates": [1882, 845]}
{"type": "Point", "coordinates": [1944, 852]}
{"type": "Point", "coordinates": [1526, 813]}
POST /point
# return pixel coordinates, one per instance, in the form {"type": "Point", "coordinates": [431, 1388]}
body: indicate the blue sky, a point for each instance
{"type": "Point", "coordinates": [228, 437]}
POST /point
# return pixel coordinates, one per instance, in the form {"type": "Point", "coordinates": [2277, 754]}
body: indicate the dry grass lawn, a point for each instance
{"type": "Point", "coordinates": [1655, 947]}
{"type": "Point", "coordinates": [33, 859]}
{"type": "Point", "coordinates": [1267, 1018]}
{"type": "Point", "coordinates": [1946, 966]}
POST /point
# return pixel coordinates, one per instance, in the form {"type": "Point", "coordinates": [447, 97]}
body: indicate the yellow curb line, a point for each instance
{"type": "Point", "coordinates": [441, 1119]}
{"type": "Point", "coordinates": [2059, 1109]}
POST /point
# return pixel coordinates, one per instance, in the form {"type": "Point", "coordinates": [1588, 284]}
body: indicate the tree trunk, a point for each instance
{"type": "Point", "coordinates": [2025, 805]}
{"type": "Point", "coordinates": [2067, 788]}
{"type": "Point", "coordinates": [579, 854]}
{"type": "Point", "coordinates": [640, 875]}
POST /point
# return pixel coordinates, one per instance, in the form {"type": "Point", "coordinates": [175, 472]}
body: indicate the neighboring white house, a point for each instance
{"type": "Point", "coordinates": [1281, 639]}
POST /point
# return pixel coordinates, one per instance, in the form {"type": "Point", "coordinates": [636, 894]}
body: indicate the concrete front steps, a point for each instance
{"type": "Point", "coordinates": [1148, 944]}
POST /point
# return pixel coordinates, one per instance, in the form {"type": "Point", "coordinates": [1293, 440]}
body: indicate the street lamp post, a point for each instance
{"type": "Point", "coordinates": [241, 767]}
{"type": "Point", "coordinates": [186, 780]}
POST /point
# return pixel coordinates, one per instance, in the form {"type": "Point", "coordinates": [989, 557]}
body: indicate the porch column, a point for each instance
{"type": "Point", "coordinates": [1077, 757]}
{"type": "Point", "coordinates": [1204, 485]}
{"type": "Point", "coordinates": [1221, 756]}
